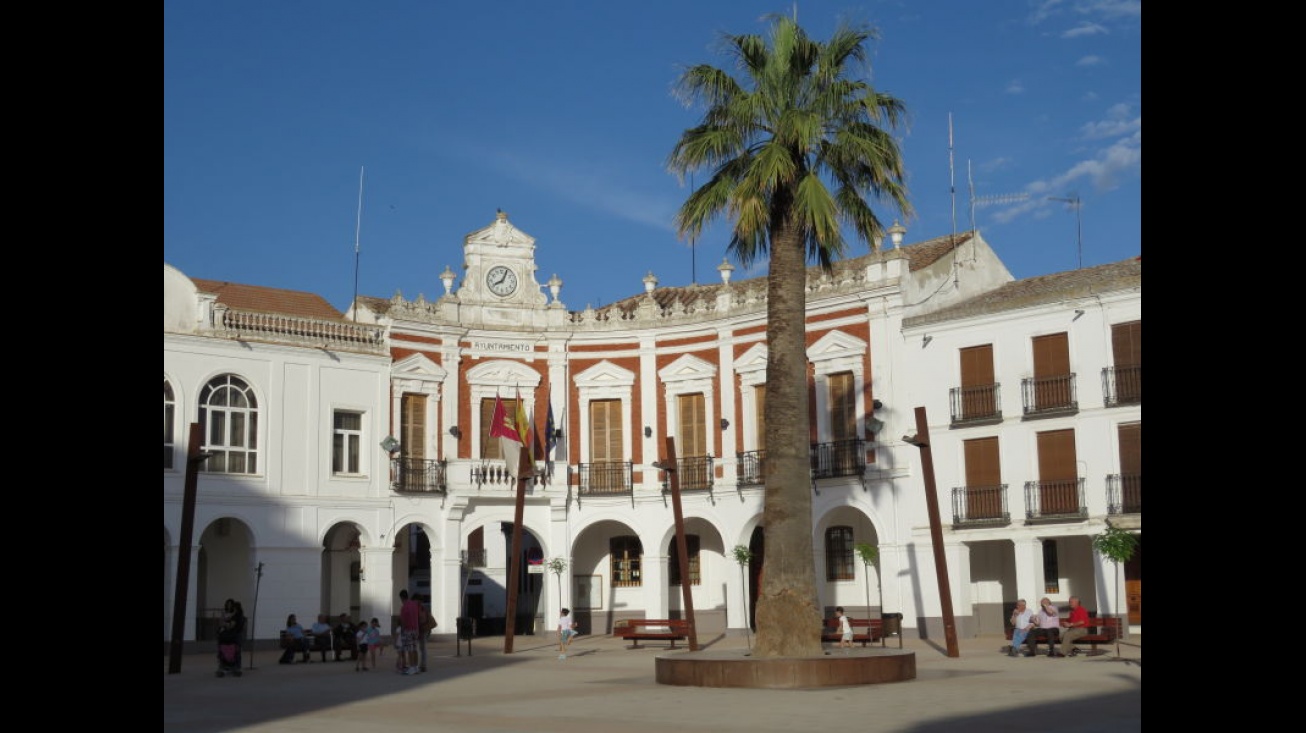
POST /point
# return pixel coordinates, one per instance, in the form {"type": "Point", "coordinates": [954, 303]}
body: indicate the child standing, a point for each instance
{"type": "Point", "coordinates": [360, 641]}
{"type": "Point", "coordinates": [374, 641]}
{"type": "Point", "coordinates": [845, 628]}
{"type": "Point", "coordinates": [566, 632]}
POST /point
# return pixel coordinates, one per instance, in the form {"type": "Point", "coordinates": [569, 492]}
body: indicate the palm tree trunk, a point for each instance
{"type": "Point", "coordinates": [788, 620]}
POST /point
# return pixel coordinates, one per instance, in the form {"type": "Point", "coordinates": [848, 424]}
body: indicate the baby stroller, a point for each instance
{"type": "Point", "coordinates": [229, 651]}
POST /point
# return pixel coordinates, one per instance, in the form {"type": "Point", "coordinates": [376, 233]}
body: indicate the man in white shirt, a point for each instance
{"type": "Point", "coordinates": [1047, 628]}
{"type": "Point", "coordinates": [1022, 621]}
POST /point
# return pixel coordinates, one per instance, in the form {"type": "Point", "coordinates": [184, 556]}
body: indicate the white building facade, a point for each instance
{"type": "Point", "coordinates": [364, 457]}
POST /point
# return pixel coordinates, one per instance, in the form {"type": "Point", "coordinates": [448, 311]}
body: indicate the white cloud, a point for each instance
{"type": "Point", "coordinates": [1084, 29]}
{"type": "Point", "coordinates": [1015, 87]}
{"type": "Point", "coordinates": [1090, 60]}
{"type": "Point", "coordinates": [1111, 8]}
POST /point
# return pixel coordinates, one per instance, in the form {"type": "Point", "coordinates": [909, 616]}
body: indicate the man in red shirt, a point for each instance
{"type": "Point", "coordinates": [1076, 626]}
{"type": "Point", "coordinates": [410, 614]}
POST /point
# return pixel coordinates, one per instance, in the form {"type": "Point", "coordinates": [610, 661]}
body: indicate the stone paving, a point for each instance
{"type": "Point", "coordinates": [605, 687]}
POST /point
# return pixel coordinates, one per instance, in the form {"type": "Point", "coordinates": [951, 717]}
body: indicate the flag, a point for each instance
{"type": "Point", "coordinates": [510, 442]}
{"type": "Point", "coordinates": [550, 433]}
{"type": "Point", "coordinates": [524, 428]}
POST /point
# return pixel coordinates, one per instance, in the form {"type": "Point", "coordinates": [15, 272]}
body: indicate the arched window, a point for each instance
{"type": "Point", "coordinates": [839, 554]}
{"type": "Point", "coordinates": [673, 560]}
{"type": "Point", "coordinates": [169, 425]}
{"type": "Point", "coordinates": [626, 555]}
{"type": "Point", "coordinates": [229, 414]}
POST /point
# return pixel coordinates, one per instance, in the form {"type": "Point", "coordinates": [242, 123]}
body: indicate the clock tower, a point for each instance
{"type": "Point", "coordinates": [499, 287]}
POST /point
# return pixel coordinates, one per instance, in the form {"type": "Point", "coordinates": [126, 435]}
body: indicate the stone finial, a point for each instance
{"type": "Point", "coordinates": [726, 269]}
{"type": "Point", "coordinates": [650, 282]}
{"type": "Point", "coordinates": [895, 233]}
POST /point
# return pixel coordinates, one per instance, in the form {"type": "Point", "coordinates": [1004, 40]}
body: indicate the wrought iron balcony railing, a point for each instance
{"type": "Point", "coordinates": [976, 405]}
{"type": "Point", "coordinates": [605, 478]}
{"type": "Point", "coordinates": [839, 458]}
{"type": "Point", "coordinates": [1124, 493]}
{"type": "Point", "coordinates": [694, 473]}
{"type": "Point", "coordinates": [473, 558]}
{"type": "Point", "coordinates": [1122, 385]}
{"type": "Point", "coordinates": [1047, 396]}
{"type": "Point", "coordinates": [418, 476]}
{"type": "Point", "coordinates": [748, 468]}
{"type": "Point", "coordinates": [1051, 500]}
{"type": "Point", "coordinates": [980, 505]}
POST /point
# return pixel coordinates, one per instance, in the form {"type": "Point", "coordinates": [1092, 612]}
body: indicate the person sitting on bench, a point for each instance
{"type": "Point", "coordinates": [1047, 628]}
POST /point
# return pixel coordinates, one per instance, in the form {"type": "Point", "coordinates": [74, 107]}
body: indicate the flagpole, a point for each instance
{"type": "Point", "coordinates": [358, 228]}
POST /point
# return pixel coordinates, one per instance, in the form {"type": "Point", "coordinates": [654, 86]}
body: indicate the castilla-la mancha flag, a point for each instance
{"type": "Point", "coordinates": [509, 431]}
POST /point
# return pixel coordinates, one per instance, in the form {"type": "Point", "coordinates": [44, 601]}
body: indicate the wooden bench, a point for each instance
{"type": "Point", "coordinates": [636, 630]}
{"type": "Point", "coordinates": [865, 630]}
{"type": "Point", "coordinates": [1100, 631]}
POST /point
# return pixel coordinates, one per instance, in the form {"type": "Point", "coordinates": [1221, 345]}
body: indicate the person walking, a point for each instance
{"type": "Point", "coordinates": [566, 632]}
{"type": "Point", "coordinates": [845, 629]}
{"type": "Point", "coordinates": [410, 621]}
{"type": "Point", "coordinates": [425, 625]}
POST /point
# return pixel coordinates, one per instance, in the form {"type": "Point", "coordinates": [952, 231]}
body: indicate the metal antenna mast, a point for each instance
{"type": "Point", "coordinates": [358, 228]}
{"type": "Point", "coordinates": [1073, 200]}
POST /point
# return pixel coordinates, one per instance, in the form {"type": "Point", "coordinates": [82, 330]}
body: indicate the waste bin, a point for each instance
{"type": "Point", "coordinates": [893, 625]}
{"type": "Point", "coordinates": [466, 627]}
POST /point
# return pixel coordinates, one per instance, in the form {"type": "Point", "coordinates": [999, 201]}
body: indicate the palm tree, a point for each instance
{"type": "Point", "coordinates": [796, 119]}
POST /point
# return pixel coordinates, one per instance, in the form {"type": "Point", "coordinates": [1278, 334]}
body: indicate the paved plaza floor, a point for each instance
{"type": "Point", "coordinates": [606, 687]}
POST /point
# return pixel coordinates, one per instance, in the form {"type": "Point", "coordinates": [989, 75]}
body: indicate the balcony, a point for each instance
{"type": "Point", "coordinates": [494, 473]}
{"type": "Point", "coordinates": [605, 478]}
{"type": "Point", "coordinates": [1051, 501]}
{"type": "Point", "coordinates": [418, 476]}
{"type": "Point", "coordinates": [976, 405]}
{"type": "Point", "coordinates": [748, 468]}
{"type": "Point", "coordinates": [695, 473]}
{"type": "Point", "coordinates": [1049, 396]}
{"type": "Point", "coordinates": [1122, 385]}
{"type": "Point", "coordinates": [1124, 493]}
{"type": "Point", "coordinates": [828, 460]}
{"type": "Point", "coordinates": [473, 558]}
{"type": "Point", "coordinates": [980, 506]}
{"type": "Point", "coordinates": [839, 458]}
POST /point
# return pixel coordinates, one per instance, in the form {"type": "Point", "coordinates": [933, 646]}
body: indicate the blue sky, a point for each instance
{"type": "Point", "coordinates": [562, 115]}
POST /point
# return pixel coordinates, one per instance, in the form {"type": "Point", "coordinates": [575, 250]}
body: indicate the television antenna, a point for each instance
{"type": "Point", "coordinates": [1074, 200]}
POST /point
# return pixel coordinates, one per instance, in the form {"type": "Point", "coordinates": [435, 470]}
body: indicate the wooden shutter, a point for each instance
{"type": "Point", "coordinates": [759, 392]}
{"type": "Point", "coordinates": [977, 381]}
{"type": "Point", "coordinates": [1127, 353]}
{"type": "Point", "coordinates": [1058, 472]}
{"type": "Point", "coordinates": [605, 431]}
{"type": "Point", "coordinates": [983, 479]}
{"type": "Point", "coordinates": [843, 407]}
{"type": "Point", "coordinates": [1127, 343]}
{"type": "Point", "coordinates": [692, 415]}
{"type": "Point", "coordinates": [1051, 371]}
{"type": "Point", "coordinates": [412, 428]}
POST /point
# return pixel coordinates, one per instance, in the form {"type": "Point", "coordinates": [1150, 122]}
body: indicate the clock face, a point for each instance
{"type": "Point", "coordinates": [501, 280]}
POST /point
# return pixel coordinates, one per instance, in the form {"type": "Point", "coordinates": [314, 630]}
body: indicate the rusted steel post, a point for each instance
{"type": "Point", "coordinates": [682, 547]}
{"type": "Point", "coordinates": [936, 532]}
{"type": "Point", "coordinates": [525, 473]}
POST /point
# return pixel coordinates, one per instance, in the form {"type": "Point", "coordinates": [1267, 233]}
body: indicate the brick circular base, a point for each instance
{"type": "Point", "coordinates": [735, 668]}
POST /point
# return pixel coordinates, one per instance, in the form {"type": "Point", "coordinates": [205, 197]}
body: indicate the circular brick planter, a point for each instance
{"type": "Point", "coordinates": [735, 668]}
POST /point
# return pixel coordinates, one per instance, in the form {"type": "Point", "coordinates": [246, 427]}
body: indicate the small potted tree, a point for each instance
{"type": "Point", "coordinates": [1116, 545]}
{"type": "Point", "coordinates": [869, 554]}
{"type": "Point", "coordinates": [744, 556]}
{"type": "Point", "coordinates": [558, 566]}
